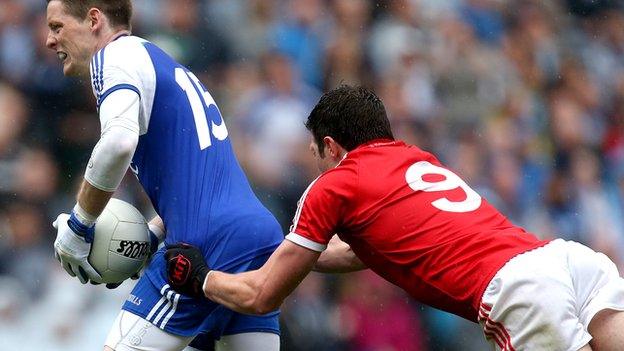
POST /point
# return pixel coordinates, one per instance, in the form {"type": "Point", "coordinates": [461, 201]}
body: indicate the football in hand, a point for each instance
{"type": "Point", "coordinates": [121, 244]}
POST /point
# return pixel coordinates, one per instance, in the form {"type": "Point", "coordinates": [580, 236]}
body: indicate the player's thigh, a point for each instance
{"type": "Point", "coordinates": [257, 341]}
{"type": "Point", "coordinates": [600, 292]}
{"type": "Point", "coordinates": [133, 333]}
{"type": "Point", "coordinates": [607, 330]}
{"type": "Point", "coordinates": [531, 303]}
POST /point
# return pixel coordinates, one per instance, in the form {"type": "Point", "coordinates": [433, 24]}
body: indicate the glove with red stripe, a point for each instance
{"type": "Point", "coordinates": [186, 269]}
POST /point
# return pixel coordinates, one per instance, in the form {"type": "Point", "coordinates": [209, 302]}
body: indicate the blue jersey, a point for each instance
{"type": "Point", "coordinates": [184, 159]}
{"type": "Point", "coordinates": [185, 163]}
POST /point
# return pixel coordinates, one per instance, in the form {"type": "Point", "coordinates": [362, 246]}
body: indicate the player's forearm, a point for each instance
{"type": "Point", "coordinates": [263, 290]}
{"type": "Point", "coordinates": [157, 223]}
{"type": "Point", "coordinates": [157, 232]}
{"type": "Point", "coordinates": [338, 258]}
{"type": "Point", "coordinates": [240, 292]}
{"type": "Point", "coordinates": [338, 262]}
{"type": "Point", "coordinates": [112, 154]}
{"type": "Point", "coordinates": [91, 199]}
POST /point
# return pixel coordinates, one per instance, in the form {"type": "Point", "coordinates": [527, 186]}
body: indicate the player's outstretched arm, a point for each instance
{"type": "Point", "coordinates": [338, 258]}
{"type": "Point", "coordinates": [263, 290]}
{"type": "Point", "coordinates": [254, 292]}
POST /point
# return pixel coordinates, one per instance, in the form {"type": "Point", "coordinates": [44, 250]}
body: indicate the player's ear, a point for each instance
{"type": "Point", "coordinates": [94, 16]}
{"type": "Point", "coordinates": [332, 148]}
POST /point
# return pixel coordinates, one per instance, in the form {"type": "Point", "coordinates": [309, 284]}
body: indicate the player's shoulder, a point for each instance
{"type": "Point", "coordinates": [123, 63]}
{"type": "Point", "coordinates": [125, 52]}
{"type": "Point", "coordinates": [343, 178]}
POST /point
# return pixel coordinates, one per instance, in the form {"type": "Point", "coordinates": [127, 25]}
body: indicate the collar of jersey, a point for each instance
{"type": "Point", "coordinates": [380, 142]}
{"type": "Point", "coordinates": [372, 143]}
{"type": "Point", "coordinates": [121, 36]}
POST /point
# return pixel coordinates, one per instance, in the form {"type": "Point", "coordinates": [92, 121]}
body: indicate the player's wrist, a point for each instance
{"type": "Point", "coordinates": [83, 216]}
{"type": "Point", "coordinates": [157, 236]}
{"type": "Point", "coordinates": [82, 223]}
{"type": "Point", "coordinates": [205, 284]}
{"type": "Point", "coordinates": [200, 272]}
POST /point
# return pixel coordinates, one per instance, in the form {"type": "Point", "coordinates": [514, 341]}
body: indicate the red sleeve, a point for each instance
{"type": "Point", "coordinates": [322, 208]}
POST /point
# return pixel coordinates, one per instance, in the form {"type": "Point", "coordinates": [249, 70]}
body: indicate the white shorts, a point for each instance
{"type": "Point", "coordinates": [133, 333]}
{"type": "Point", "coordinates": [544, 299]}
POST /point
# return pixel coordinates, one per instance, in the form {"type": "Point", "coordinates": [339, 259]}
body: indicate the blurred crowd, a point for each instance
{"type": "Point", "coordinates": [523, 98]}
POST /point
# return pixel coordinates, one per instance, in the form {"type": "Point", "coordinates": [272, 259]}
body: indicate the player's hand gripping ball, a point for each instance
{"type": "Point", "coordinates": [186, 269]}
{"type": "Point", "coordinates": [72, 247]}
{"type": "Point", "coordinates": [115, 250]}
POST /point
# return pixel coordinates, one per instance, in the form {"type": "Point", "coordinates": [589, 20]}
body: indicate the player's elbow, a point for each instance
{"type": "Point", "coordinates": [257, 298]}
{"type": "Point", "coordinates": [127, 146]}
{"type": "Point", "coordinates": [261, 305]}
{"type": "Point", "coordinates": [123, 144]}
{"type": "Point", "coordinates": [258, 302]}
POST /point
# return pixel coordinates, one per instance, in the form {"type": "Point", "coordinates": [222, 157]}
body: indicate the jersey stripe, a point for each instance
{"type": "Point", "coordinates": [97, 76]}
{"type": "Point", "coordinates": [92, 68]}
{"type": "Point", "coordinates": [96, 70]}
{"type": "Point", "coordinates": [104, 95]}
{"type": "Point", "coordinates": [300, 206]}
{"type": "Point", "coordinates": [305, 242]}
{"type": "Point", "coordinates": [101, 75]}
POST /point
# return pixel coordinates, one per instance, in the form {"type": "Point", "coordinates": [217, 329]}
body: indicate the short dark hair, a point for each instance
{"type": "Point", "coordinates": [350, 115]}
{"type": "Point", "coordinates": [118, 12]}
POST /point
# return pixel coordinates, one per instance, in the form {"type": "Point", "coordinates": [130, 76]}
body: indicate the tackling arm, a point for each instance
{"type": "Point", "coordinates": [263, 290]}
{"type": "Point", "coordinates": [338, 258]}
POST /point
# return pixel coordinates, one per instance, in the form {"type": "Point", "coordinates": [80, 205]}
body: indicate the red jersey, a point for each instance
{"type": "Point", "coordinates": [413, 222]}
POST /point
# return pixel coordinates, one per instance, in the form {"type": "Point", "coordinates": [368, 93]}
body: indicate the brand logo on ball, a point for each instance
{"type": "Point", "coordinates": [133, 249]}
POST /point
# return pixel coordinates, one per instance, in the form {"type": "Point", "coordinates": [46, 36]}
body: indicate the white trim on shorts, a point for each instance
{"type": "Point", "coordinates": [170, 300]}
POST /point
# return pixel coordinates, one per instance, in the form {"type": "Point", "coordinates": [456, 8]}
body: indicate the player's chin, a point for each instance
{"type": "Point", "coordinates": [69, 69]}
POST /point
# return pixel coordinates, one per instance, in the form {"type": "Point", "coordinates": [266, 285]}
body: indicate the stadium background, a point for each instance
{"type": "Point", "coordinates": [524, 99]}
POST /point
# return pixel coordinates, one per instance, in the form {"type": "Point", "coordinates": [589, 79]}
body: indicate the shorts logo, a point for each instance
{"type": "Point", "coordinates": [134, 300]}
{"type": "Point", "coordinates": [137, 338]}
{"type": "Point", "coordinates": [181, 270]}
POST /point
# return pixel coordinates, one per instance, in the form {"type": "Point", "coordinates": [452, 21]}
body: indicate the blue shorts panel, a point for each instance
{"type": "Point", "coordinates": [153, 299]}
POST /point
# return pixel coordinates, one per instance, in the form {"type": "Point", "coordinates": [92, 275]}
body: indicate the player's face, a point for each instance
{"type": "Point", "coordinates": [323, 163]}
{"type": "Point", "coordinates": [71, 39]}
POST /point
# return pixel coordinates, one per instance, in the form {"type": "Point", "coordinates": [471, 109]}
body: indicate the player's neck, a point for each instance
{"type": "Point", "coordinates": [110, 36]}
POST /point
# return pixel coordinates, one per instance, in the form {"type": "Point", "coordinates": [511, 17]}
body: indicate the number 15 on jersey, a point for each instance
{"type": "Point", "coordinates": [200, 105]}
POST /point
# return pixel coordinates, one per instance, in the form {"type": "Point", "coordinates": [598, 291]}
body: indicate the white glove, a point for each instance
{"type": "Point", "coordinates": [72, 250]}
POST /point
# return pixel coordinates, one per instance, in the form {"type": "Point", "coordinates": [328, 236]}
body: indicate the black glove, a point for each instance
{"type": "Point", "coordinates": [186, 269]}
